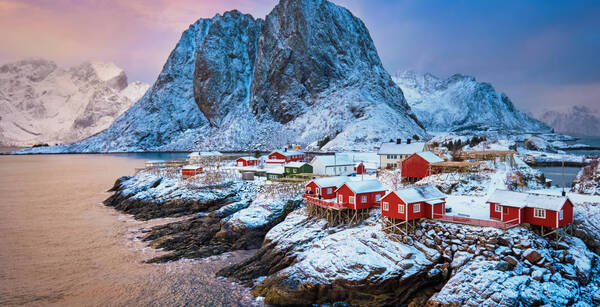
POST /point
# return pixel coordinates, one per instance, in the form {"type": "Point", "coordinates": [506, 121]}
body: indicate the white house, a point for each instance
{"type": "Point", "coordinates": [332, 165]}
{"type": "Point", "coordinates": [391, 155]}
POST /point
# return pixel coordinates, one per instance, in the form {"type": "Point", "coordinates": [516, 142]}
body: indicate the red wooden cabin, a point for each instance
{"type": "Point", "coordinates": [190, 170]}
{"type": "Point", "coordinates": [246, 161]}
{"type": "Point", "coordinates": [285, 156]}
{"type": "Point", "coordinates": [360, 169]}
{"type": "Point", "coordinates": [536, 209]}
{"type": "Point", "coordinates": [360, 194]}
{"type": "Point", "coordinates": [324, 188]}
{"type": "Point", "coordinates": [416, 166]}
{"type": "Point", "coordinates": [414, 203]}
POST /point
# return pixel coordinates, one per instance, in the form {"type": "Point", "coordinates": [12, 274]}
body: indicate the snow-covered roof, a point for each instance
{"type": "Point", "coordinates": [275, 170]}
{"type": "Point", "coordinates": [336, 181]}
{"type": "Point", "coordinates": [419, 193]}
{"type": "Point", "coordinates": [521, 200]}
{"type": "Point", "coordinates": [248, 158]}
{"type": "Point", "coordinates": [155, 161]}
{"type": "Point", "coordinates": [288, 152]}
{"type": "Point", "coordinates": [294, 164]}
{"type": "Point", "coordinates": [365, 186]}
{"type": "Point", "coordinates": [400, 149]}
{"type": "Point", "coordinates": [430, 157]}
{"type": "Point", "coordinates": [195, 166]}
{"type": "Point", "coordinates": [333, 160]}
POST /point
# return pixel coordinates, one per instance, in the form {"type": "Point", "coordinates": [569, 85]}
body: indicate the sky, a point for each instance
{"type": "Point", "coordinates": [542, 54]}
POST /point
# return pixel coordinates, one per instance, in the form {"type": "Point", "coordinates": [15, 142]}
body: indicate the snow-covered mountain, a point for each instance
{"type": "Point", "coordinates": [308, 71]}
{"type": "Point", "coordinates": [579, 120]}
{"type": "Point", "coordinates": [460, 103]}
{"type": "Point", "coordinates": [43, 103]}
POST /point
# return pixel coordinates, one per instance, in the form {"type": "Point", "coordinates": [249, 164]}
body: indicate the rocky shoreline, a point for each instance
{"type": "Point", "coordinates": [301, 260]}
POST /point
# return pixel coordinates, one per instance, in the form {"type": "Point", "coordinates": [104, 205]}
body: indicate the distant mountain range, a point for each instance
{"type": "Point", "coordinates": [43, 103]}
{"type": "Point", "coordinates": [460, 104]}
{"type": "Point", "coordinates": [308, 72]}
{"type": "Point", "coordinates": [578, 120]}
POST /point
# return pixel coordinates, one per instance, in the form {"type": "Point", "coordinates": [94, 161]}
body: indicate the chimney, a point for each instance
{"type": "Point", "coordinates": [407, 141]}
{"type": "Point", "coordinates": [564, 193]}
{"type": "Point", "coordinates": [398, 141]}
{"type": "Point", "coordinates": [285, 149]}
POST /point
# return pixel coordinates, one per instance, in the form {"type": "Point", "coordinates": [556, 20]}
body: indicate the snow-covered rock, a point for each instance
{"type": "Point", "coordinates": [43, 103]}
{"type": "Point", "coordinates": [538, 144]}
{"type": "Point", "coordinates": [308, 71]}
{"type": "Point", "coordinates": [460, 103]}
{"type": "Point", "coordinates": [579, 120]}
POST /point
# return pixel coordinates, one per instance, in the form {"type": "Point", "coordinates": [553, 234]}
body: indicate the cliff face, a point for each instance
{"type": "Point", "coordinates": [43, 103]}
{"type": "Point", "coordinates": [308, 71]}
{"type": "Point", "coordinates": [579, 120]}
{"type": "Point", "coordinates": [461, 103]}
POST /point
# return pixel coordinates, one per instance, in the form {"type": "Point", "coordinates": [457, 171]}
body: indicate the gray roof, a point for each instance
{"type": "Point", "coordinates": [521, 200]}
{"type": "Point", "coordinates": [400, 149]}
{"type": "Point", "coordinates": [430, 157]}
{"type": "Point", "coordinates": [419, 194]}
{"type": "Point", "coordinates": [295, 164]}
{"type": "Point", "coordinates": [365, 186]}
{"type": "Point", "coordinates": [336, 181]}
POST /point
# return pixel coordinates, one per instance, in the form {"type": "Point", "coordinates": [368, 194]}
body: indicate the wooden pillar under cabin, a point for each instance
{"type": "Point", "coordinates": [542, 231]}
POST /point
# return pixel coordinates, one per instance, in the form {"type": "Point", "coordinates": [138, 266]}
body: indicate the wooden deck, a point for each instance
{"type": "Point", "coordinates": [328, 204]}
{"type": "Point", "coordinates": [476, 222]}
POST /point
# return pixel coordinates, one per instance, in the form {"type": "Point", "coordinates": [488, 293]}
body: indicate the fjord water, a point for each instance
{"type": "Point", "coordinates": [60, 246]}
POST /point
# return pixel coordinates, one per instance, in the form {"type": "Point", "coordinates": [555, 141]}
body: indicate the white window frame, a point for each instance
{"type": "Point", "coordinates": [539, 213]}
{"type": "Point", "coordinates": [498, 208]}
{"type": "Point", "coordinates": [561, 215]}
{"type": "Point", "coordinates": [417, 208]}
{"type": "Point", "coordinates": [317, 191]}
{"type": "Point", "coordinates": [386, 206]}
{"type": "Point", "coordinates": [363, 199]}
{"type": "Point", "coordinates": [340, 198]}
{"type": "Point", "coordinates": [400, 208]}
{"type": "Point", "coordinates": [308, 189]}
{"type": "Point", "coordinates": [351, 199]}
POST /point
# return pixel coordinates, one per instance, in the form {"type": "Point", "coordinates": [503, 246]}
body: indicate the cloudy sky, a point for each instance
{"type": "Point", "coordinates": [543, 54]}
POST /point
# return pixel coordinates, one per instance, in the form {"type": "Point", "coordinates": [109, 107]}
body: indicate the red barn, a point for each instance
{"type": "Point", "coordinates": [360, 169]}
{"type": "Point", "coordinates": [325, 187]}
{"type": "Point", "coordinates": [536, 209]}
{"type": "Point", "coordinates": [246, 161]}
{"type": "Point", "coordinates": [360, 194]}
{"type": "Point", "coordinates": [285, 156]}
{"type": "Point", "coordinates": [414, 203]}
{"type": "Point", "coordinates": [190, 170]}
{"type": "Point", "coordinates": [416, 166]}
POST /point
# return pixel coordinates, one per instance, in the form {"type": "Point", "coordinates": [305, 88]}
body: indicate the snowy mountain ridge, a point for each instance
{"type": "Point", "coordinates": [578, 120]}
{"type": "Point", "coordinates": [461, 103]}
{"type": "Point", "coordinates": [43, 103]}
{"type": "Point", "coordinates": [308, 71]}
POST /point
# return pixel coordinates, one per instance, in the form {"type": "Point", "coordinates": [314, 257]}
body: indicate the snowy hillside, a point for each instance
{"type": "Point", "coordinates": [43, 103]}
{"type": "Point", "coordinates": [308, 71]}
{"type": "Point", "coordinates": [579, 120]}
{"type": "Point", "coordinates": [460, 103]}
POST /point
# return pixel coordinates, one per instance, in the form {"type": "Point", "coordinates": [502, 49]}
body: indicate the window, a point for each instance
{"type": "Point", "coordinates": [539, 213]}
{"type": "Point", "coordinates": [317, 191]}
{"type": "Point", "coordinates": [560, 215]}
{"type": "Point", "coordinates": [308, 189]}
{"type": "Point", "coordinates": [377, 197]}
{"type": "Point", "coordinates": [386, 206]}
{"type": "Point", "coordinates": [295, 170]}
{"type": "Point", "coordinates": [498, 208]}
{"type": "Point", "coordinates": [400, 208]}
{"type": "Point", "coordinates": [417, 208]}
{"type": "Point", "coordinates": [363, 199]}
{"type": "Point", "coordinates": [340, 199]}
{"type": "Point", "coordinates": [329, 190]}
{"type": "Point", "coordinates": [351, 199]}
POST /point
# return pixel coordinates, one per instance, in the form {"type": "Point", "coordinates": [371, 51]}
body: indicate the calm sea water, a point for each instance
{"type": "Point", "coordinates": [60, 246]}
{"type": "Point", "coordinates": [589, 140]}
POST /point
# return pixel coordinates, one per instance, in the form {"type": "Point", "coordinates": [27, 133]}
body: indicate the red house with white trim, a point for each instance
{"type": "Point", "coordinates": [285, 156]}
{"type": "Point", "coordinates": [325, 188]}
{"type": "Point", "coordinates": [360, 169]}
{"type": "Point", "coordinates": [536, 209]}
{"type": "Point", "coordinates": [414, 203]}
{"type": "Point", "coordinates": [416, 166]}
{"type": "Point", "coordinates": [191, 170]}
{"type": "Point", "coordinates": [360, 194]}
{"type": "Point", "coordinates": [246, 161]}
